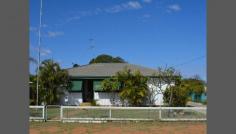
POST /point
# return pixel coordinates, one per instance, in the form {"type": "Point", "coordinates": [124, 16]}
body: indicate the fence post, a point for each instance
{"type": "Point", "coordinates": [43, 112]}
{"type": "Point", "coordinates": [110, 112]}
{"type": "Point", "coordinates": [160, 114]}
{"type": "Point", "coordinates": [61, 112]}
{"type": "Point", "coordinates": [46, 111]}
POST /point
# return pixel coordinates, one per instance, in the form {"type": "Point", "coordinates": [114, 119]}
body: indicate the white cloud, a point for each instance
{"type": "Point", "coordinates": [73, 18]}
{"type": "Point", "coordinates": [33, 29]}
{"type": "Point", "coordinates": [146, 16]}
{"type": "Point", "coordinates": [147, 1]}
{"type": "Point", "coordinates": [174, 7]}
{"type": "Point", "coordinates": [45, 52]}
{"type": "Point", "coordinates": [114, 9]}
{"type": "Point", "coordinates": [52, 34]}
{"type": "Point", "coordinates": [130, 5]}
{"type": "Point", "coordinates": [98, 10]}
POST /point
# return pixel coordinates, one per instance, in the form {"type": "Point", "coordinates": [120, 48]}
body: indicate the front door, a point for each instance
{"type": "Point", "coordinates": [87, 91]}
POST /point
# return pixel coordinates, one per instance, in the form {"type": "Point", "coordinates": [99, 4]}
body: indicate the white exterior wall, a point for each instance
{"type": "Point", "coordinates": [159, 100]}
{"type": "Point", "coordinates": [104, 98]}
{"type": "Point", "coordinates": [159, 97]}
{"type": "Point", "coordinates": [73, 98]}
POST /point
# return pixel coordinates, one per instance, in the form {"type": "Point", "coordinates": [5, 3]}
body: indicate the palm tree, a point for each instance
{"type": "Point", "coordinates": [53, 81]}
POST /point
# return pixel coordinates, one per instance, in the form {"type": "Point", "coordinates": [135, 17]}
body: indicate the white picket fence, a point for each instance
{"type": "Point", "coordinates": [97, 113]}
{"type": "Point", "coordinates": [37, 113]}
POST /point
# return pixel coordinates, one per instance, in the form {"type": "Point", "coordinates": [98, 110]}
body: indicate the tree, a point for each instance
{"type": "Point", "coordinates": [194, 85]}
{"type": "Point", "coordinates": [171, 78]}
{"type": "Point", "coordinates": [179, 95]}
{"type": "Point", "coordinates": [134, 88]}
{"type": "Point", "coordinates": [162, 79]}
{"type": "Point", "coordinates": [111, 85]}
{"type": "Point", "coordinates": [104, 58]}
{"type": "Point", "coordinates": [75, 65]}
{"type": "Point", "coordinates": [157, 83]}
{"type": "Point", "coordinates": [32, 86]}
{"type": "Point", "coordinates": [53, 81]}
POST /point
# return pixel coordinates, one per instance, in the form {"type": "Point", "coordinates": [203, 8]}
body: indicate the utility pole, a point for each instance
{"type": "Point", "coordinates": [39, 49]}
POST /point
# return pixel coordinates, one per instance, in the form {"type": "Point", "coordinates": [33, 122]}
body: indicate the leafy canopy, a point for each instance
{"type": "Point", "coordinates": [134, 88]}
{"type": "Point", "coordinates": [110, 84]}
{"type": "Point", "coordinates": [104, 58]}
{"type": "Point", "coordinates": [32, 86]}
{"type": "Point", "coordinates": [194, 85]}
{"type": "Point", "coordinates": [53, 81]}
{"type": "Point", "coordinates": [179, 95]}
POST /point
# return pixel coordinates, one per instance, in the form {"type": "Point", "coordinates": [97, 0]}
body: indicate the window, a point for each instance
{"type": "Point", "coordinates": [97, 85]}
{"type": "Point", "coordinates": [76, 85]}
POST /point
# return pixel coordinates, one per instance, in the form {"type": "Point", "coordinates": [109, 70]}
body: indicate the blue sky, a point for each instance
{"type": "Point", "coordinates": [151, 33]}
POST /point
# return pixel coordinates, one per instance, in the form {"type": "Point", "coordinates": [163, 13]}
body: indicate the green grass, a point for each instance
{"type": "Point", "coordinates": [36, 112]}
{"type": "Point", "coordinates": [53, 113]}
{"type": "Point", "coordinates": [104, 113]}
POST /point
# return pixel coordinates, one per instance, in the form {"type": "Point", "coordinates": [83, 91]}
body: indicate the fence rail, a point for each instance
{"type": "Point", "coordinates": [109, 113]}
{"type": "Point", "coordinates": [37, 113]}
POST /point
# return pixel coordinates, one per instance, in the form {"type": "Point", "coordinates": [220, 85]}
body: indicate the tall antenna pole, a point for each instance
{"type": "Point", "coordinates": [39, 49]}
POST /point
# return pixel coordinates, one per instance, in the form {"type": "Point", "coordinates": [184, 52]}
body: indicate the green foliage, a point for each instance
{"type": "Point", "coordinates": [134, 88]}
{"type": "Point", "coordinates": [110, 84]}
{"type": "Point", "coordinates": [194, 85]}
{"type": "Point", "coordinates": [181, 90]}
{"type": "Point", "coordinates": [172, 78]}
{"type": "Point", "coordinates": [179, 96]}
{"type": "Point", "coordinates": [103, 58]}
{"type": "Point", "coordinates": [75, 65]}
{"type": "Point", "coordinates": [94, 103]}
{"type": "Point", "coordinates": [163, 76]}
{"type": "Point", "coordinates": [204, 102]}
{"type": "Point", "coordinates": [32, 86]}
{"type": "Point", "coordinates": [53, 81]}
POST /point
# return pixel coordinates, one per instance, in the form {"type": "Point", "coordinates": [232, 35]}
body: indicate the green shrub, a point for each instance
{"type": "Point", "coordinates": [179, 97]}
{"type": "Point", "coordinates": [94, 103]}
{"type": "Point", "coordinates": [204, 102]}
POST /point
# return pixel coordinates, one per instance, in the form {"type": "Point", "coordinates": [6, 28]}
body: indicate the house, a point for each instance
{"type": "Point", "coordinates": [86, 83]}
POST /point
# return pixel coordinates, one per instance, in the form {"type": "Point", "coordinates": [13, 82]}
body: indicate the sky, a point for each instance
{"type": "Point", "coordinates": [151, 33]}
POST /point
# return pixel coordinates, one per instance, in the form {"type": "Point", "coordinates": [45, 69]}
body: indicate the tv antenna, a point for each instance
{"type": "Point", "coordinates": [39, 48]}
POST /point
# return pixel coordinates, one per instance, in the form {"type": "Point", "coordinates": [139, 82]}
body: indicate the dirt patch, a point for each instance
{"type": "Point", "coordinates": [79, 130]}
{"type": "Point", "coordinates": [185, 128]}
{"type": "Point", "coordinates": [34, 131]}
{"type": "Point", "coordinates": [121, 128]}
{"type": "Point", "coordinates": [113, 130]}
{"type": "Point", "coordinates": [52, 129]}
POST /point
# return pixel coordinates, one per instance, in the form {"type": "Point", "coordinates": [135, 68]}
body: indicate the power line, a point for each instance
{"type": "Point", "coordinates": [190, 61]}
